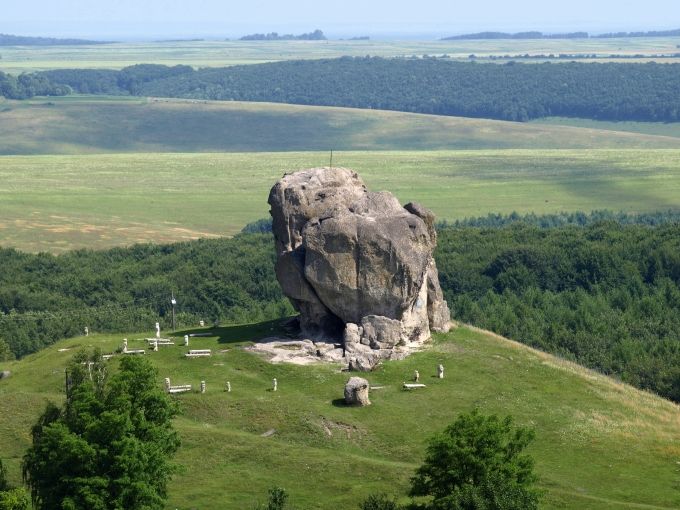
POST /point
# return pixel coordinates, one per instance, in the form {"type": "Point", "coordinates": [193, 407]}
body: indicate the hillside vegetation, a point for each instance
{"type": "Point", "coordinates": [600, 444]}
{"type": "Point", "coordinates": [517, 92]}
{"type": "Point", "coordinates": [605, 295]}
{"type": "Point", "coordinates": [56, 203]}
{"type": "Point", "coordinates": [76, 125]}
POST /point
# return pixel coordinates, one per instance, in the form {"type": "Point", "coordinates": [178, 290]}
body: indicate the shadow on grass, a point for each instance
{"type": "Point", "coordinates": [243, 333]}
{"type": "Point", "coordinates": [339, 402]}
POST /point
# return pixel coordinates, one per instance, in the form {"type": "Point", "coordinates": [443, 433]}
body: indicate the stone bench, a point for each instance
{"type": "Point", "coordinates": [160, 341]}
{"type": "Point", "coordinates": [180, 388]}
{"type": "Point", "coordinates": [197, 353]}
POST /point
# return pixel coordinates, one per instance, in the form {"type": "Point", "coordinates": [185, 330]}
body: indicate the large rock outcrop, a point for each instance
{"type": "Point", "coordinates": [356, 264]}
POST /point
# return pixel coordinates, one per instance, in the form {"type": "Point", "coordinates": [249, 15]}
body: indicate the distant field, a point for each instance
{"type": "Point", "coordinates": [55, 203]}
{"type": "Point", "coordinates": [647, 128]}
{"type": "Point", "coordinates": [83, 125]}
{"type": "Point", "coordinates": [16, 59]}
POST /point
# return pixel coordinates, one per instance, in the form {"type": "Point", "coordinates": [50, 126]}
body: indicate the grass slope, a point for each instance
{"type": "Point", "coordinates": [55, 203]}
{"type": "Point", "coordinates": [17, 59]}
{"type": "Point", "coordinates": [76, 125]}
{"type": "Point", "coordinates": [600, 444]}
{"type": "Point", "coordinates": [645, 128]}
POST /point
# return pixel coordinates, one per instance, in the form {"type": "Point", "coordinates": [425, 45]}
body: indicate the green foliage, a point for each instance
{"type": "Point", "coordinates": [379, 502]}
{"type": "Point", "coordinates": [6, 353]}
{"type": "Point", "coordinates": [26, 86]}
{"type": "Point", "coordinates": [277, 499]}
{"type": "Point", "coordinates": [14, 499]}
{"type": "Point", "coordinates": [607, 296]}
{"type": "Point", "coordinates": [516, 92]}
{"type": "Point", "coordinates": [43, 297]}
{"type": "Point", "coordinates": [109, 447]}
{"type": "Point", "coordinates": [477, 464]}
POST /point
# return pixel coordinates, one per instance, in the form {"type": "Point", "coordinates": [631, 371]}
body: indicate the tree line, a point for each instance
{"type": "Point", "coordinates": [512, 91]}
{"type": "Point", "coordinates": [22, 40]}
{"type": "Point", "coordinates": [568, 35]}
{"type": "Point", "coordinates": [603, 293]}
{"type": "Point", "coordinates": [26, 86]}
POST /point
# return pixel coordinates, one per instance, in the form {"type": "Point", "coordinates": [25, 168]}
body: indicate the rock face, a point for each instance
{"type": "Point", "coordinates": [356, 264]}
{"type": "Point", "coordinates": [356, 392]}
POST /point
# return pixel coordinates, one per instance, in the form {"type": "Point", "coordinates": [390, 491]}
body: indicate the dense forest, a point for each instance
{"type": "Point", "coordinates": [561, 219]}
{"type": "Point", "coordinates": [26, 86]}
{"type": "Point", "coordinates": [513, 91]}
{"type": "Point", "coordinates": [601, 292]}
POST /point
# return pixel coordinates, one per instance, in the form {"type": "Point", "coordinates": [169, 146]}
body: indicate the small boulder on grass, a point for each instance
{"type": "Point", "coordinates": [356, 392]}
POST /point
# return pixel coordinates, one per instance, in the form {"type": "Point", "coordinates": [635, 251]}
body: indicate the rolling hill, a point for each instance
{"type": "Point", "coordinates": [77, 125]}
{"type": "Point", "coordinates": [600, 444]}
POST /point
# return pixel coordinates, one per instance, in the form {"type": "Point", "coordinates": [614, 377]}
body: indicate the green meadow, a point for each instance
{"type": "Point", "coordinates": [17, 59]}
{"type": "Point", "coordinates": [643, 128]}
{"type": "Point", "coordinates": [599, 444]}
{"type": "Point", "coordinates": [86, 124]}
{"type": "Point", "coordinates": [54, 203]}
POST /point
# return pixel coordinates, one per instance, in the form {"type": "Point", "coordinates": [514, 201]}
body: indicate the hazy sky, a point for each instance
{"type": "Point", "coordinates": [224, 18]}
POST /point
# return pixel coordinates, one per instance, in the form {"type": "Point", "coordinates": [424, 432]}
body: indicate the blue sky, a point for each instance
{"type": "Point", "coordinates": [223, 18]}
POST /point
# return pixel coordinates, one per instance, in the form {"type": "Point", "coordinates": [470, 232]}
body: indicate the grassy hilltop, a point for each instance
{"type": "Point", "coordinates": [600, 444]}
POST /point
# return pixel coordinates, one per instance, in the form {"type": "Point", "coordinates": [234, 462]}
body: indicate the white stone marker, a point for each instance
{"type": "Point", "coordinates": [158, 330]}
{"type": "Point", "coordinates": [87, 331]}
{"type": "Point", "coordinates": [228, 387]}
{"type": "Point", "coordinates": [155, 345]}
{"type": "Point", "coordinates": [440, 371]}
{"type": "Point", "coordinates": [124, 344]}
{"type": "Point", "coordinates": [186, 340]}
{"type": "Point", "coordinates": [416, 376]}
{"type": "Point", "coordinates": [202, 386]}
{"type": "Point", "coordinates": [201, 323]}
{"type": "Point", "coordinates": [276, 384]}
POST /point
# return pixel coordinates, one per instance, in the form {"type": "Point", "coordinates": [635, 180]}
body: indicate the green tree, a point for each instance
{"type": "Point", "coordinates": [379, 502]}
{"type": "Point", "coordinates": [477, 464]}
{"type": "Point", "coordinates": [6, 353]}
{"type": "Point", "coordinates": [14, 499]}
{"type": "Point", "coordinates": [109, 447]}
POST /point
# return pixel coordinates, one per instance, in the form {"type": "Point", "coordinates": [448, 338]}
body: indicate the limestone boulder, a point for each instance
{"type": "Point", "coordinates": [356, 392]}
{"type": "Point", "coordinates": [356, 265]}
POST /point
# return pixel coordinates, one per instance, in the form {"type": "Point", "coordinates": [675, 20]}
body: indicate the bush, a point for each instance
{"type": "Point", "coordinates": [477, 464]}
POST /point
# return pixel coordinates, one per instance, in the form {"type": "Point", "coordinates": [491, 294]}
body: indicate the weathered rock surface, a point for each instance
{"type": "Point", "coordinates": [356, 392]}
{"type": "Point", "coordinates": [356, 264]}
{"type": "Point", "coordinates": [5, 374]}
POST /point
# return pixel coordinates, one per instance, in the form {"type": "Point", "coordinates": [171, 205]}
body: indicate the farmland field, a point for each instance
{"type": "Point", "coordinates": [91, 124]}
{"type": "Point", "coordinates": [55, 203]}
{"type": "Point", "coordinates": [16, 59]}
